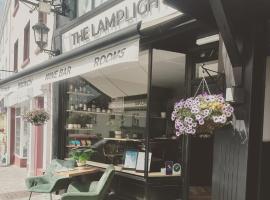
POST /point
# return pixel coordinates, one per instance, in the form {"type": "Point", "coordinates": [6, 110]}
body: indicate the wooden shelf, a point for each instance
{"type": "Point", "coordinates": [103, 113]}
{"type": "Point", "coordinates": [86, 136]}
{"type": "Point", "coordinates": [81, 94]}
{"type": "Point", "coordinates": [79, 129]}
{"type": "Point", "coordinates": [123, 139]}
{"type": "Point", "coordinates": [76, 146]}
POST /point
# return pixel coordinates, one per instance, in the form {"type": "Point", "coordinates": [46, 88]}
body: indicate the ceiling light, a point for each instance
{"type": "Point", "coordinates": [206, 40]}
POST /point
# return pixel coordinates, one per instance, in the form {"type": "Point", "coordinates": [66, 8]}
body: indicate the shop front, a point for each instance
{"type": "Point", "coordinates": [3, 135]}
{"type": "Point", "coordinates": [113, 91]}
{"type": "Point", "coordinates": [25, 142]}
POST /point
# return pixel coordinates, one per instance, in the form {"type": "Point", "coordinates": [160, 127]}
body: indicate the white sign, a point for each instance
{"type": "Point", "coordinates": [123, 53]}
{"type": "Point", "coordinates": [116, 18]}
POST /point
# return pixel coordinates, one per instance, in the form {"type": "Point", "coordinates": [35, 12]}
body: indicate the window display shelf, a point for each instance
{"type": "Point", "coordinates": [81, 94]}
{"type": "Point", "coordinates": [123, 139]}
{"type": "Point", "coordinates": [104, 113]}
{"type": "Point", "coordinates": [79, 129]}
{"type": "Point", "coordinates": [87, 136]}
{"type": "Point", "coordinates": [77, 146]}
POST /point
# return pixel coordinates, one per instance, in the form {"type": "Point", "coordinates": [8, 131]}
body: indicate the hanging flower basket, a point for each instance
{"type": "Point", "coordinates": [37, 117]}
{"type": "Point", "coordinates": [202, 114]}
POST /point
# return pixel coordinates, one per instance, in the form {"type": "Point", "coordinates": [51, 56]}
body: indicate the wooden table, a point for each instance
{"type": "Point", "coordinates": [78, 171]}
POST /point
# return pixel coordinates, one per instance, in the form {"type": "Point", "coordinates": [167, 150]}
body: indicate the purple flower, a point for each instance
{"type": "Point", "coordinates": [201, 122]}
{"type": "Point", "coordinates": [198, 117]}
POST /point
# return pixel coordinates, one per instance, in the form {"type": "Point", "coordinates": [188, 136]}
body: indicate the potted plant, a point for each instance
{"type": "Point", "coordinates": [201, 115]}
{"type": "Point", "coordinates": [86, 121]}
{"type": "Point", "coordinates": [71, 121]}
{"type": "Point", "coordinates": [81, 155]}
{"type": "Point", "coordinates": [115, 126]}
{"type": "Point", "coordinates": [37, 117]}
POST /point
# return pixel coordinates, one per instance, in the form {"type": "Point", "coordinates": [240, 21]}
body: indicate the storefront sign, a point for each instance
{"type": "Point", "coordinates": [123, 53]}
{"type": "Point", "coordinates": [116, 18]}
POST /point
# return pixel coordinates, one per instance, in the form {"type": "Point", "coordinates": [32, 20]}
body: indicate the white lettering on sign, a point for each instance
{"type": "Point", "coordinates": [106, 58]}
{"type": "Point", "coordinates": [118, 17]}
{"type": "Point", "coordinates": [58, 73]}
{"type": "Point", "coordinates": [25, 83]}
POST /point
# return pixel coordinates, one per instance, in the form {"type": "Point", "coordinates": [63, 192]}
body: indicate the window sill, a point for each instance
{"type": "Point", "coordinates": [16, 8]}
{"type": "Point", "coordinates": [25, 62]}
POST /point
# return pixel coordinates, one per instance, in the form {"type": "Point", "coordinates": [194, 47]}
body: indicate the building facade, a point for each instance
{"type": "Point", "coordinates": [122, 66]}
{"type": "Point", "coordinates": [19, 53]}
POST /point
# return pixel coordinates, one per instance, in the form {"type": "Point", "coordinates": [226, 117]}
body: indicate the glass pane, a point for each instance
{"type": "Point", "coordinates": [168, 86]}
{"type": "Point", "coordinates": [211, 65]}
{"type": "Point", "coordinates": [83, 6]}
{"type": "Point", "coordinates": [107, 111]}
{"type": "Point", "coordinates": [99, 2]}
{"type": "Point", "coordinates": [17, 135]}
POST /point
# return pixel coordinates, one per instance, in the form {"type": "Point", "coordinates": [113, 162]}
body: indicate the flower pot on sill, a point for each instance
{"type": "Point", "coordinates": [118, 134]}
{"type": "Point", "coordinates": [70, 126]}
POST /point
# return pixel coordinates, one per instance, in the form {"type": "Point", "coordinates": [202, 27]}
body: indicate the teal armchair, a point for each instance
{"type": "Point", "coordinates": [49, 182]}
{"type": "Point", "coordinates": [96, 190]}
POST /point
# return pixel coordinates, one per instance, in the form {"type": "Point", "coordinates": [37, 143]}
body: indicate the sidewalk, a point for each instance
{"type": "Point", "coordinates": [12, 185]}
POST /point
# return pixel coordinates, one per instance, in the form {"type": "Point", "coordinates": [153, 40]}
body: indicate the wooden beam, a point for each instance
{"type": "Point", "coordinates": [226, 31]}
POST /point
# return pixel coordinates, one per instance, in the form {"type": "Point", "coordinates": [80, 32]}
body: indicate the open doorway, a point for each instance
{"type": "Point", "coordinates": [196, 154]}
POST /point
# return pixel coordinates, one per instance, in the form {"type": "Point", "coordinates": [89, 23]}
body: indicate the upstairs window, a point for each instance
{"type": "Point", "coordinates": [16, 56]}
{"type": "Point", "coordinates": [26, 42]}
{"type": "Point", "coordinates": [16, 7]}
{"type": "Point", "coordinates": [84, 6]}
{"type": "Point", "coordinates": [16, 3]}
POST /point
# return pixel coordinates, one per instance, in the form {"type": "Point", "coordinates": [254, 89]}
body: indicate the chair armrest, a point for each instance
{"type": "Point", "coordinates": [32, 181]}
{"type": "Point", "coordinates": [80, 196]}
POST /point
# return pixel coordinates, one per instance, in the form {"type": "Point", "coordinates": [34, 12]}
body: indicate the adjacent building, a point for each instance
{"type": "Point", "coordinates": [19, 53]}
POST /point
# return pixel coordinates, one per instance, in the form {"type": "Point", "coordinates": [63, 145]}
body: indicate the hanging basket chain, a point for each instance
{"type": "Point", "coordinates": [203, 84]}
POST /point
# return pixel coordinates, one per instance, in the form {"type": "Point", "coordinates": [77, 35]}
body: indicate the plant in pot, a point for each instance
{"type": "Point", "coordinates": [202, 114]}
{"type": "Point", "coordinates": [116, 127]}
{"type": "Point", "coordinates": [86, 121]}
{"type": "Point", "coordinates": [81, 155]}
{"type": "Point", "coordinates": [37, 117]}
{"type": "Point", "coordinates": [71, 120]}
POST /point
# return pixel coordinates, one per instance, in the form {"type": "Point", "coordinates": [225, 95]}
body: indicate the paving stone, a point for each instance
{"type": "Point", "coordinates": [12, 185]}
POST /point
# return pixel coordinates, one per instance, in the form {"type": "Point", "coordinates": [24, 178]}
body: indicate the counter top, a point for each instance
{"type": "Point", "coordinates": [130, 172]}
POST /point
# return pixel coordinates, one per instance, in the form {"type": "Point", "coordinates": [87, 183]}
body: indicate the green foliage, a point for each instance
{"type": "Point", "coordinates": [73, 118]}
{"type": "Point", "coordinates": [81, 155]}
{"type": "Point", "coordinates": [37, 117]}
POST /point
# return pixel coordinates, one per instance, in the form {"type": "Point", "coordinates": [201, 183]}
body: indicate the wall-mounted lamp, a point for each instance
{"type": "Point", "coordinates": [41, 38]}
{"type": "Point", "coordinates": [58, 7]}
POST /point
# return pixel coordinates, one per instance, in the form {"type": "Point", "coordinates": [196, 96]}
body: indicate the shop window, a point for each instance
{"type": "Point", "coordinates": [15, 66]}
{"type": "Point", "coordinates": [26, 42]}
{"type": "Point", "coordinates": [42, 17]}
{"type": "Point", "coordinates": [110, 106]}
{"type": "Point", "coordinates": [84, 6]}
{"type": "Point", "coordinates": [168, 86]}
{"type": "Point", "coordinates": [17, 130]}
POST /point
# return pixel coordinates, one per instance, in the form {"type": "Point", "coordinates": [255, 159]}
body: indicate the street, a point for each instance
{"type": "Point", "coordinates": [12, 185]}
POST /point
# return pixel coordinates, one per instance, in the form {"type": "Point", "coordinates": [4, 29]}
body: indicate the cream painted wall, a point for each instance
{"type": "Point", "coordinates": [19, 22]}
{"type": "Point", "coordinates": [11, 29]}
{"type": "Point", "coordinates": [266, 128]}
